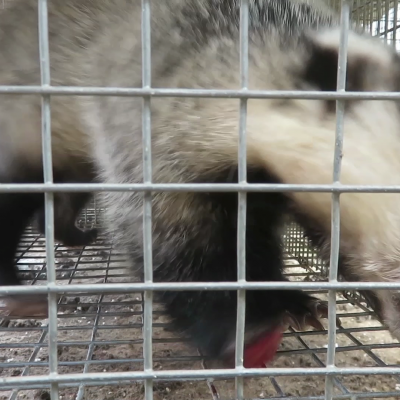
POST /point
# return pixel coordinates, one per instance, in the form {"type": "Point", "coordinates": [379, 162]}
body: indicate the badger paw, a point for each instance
{"type": "Point", "coordinates": [316, 310]}
{"type": "Point", "coordinates": [33, 306]}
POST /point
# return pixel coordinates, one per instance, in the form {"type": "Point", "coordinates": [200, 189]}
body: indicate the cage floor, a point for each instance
{"type": "Point", "coordinates": [103, 333]}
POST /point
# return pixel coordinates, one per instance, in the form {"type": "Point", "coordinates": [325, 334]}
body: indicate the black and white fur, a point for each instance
{"type": "Point", "coordinates": [21, 152]}
{"type": "Point", "coordinates": [67, 205]}
{"type": "Point", "coordinates": [195, 44]}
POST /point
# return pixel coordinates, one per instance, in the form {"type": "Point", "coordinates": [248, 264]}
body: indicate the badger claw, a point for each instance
{"type": "Point", "coordinates": [321, 310]}
{"type": "Point", "coordinates": [317, 309]}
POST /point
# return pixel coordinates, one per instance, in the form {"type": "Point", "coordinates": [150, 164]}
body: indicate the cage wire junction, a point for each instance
{"type": "Point", "coordinates": [101, 344]}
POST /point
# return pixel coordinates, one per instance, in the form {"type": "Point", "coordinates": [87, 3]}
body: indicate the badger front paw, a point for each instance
{"type": "Point", "coordinates": [25, 306]}
{"type": "Point", "coordinates": [310, 317]}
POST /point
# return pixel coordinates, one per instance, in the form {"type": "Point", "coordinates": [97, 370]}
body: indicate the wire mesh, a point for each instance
{"type": "Point", "coordinates": [378, 17]}
{"type": "Point", "coordinates": [104, 332]}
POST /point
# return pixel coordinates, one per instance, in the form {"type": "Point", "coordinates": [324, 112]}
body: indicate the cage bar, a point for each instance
{"type": "Point", "coordinates": [48, 197]}
{"type": "Point", "coordinates": [335, 227]}
{"type": "Point", "coordinates": [147, 199]}
{"type": "Point", "coordinates": [242, 197]}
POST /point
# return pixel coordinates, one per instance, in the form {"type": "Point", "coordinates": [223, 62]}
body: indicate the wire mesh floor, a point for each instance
{"type": "Point", "coordinates": [103, 333]}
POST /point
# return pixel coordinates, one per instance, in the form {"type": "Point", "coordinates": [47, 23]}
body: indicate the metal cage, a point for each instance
{"type": "Point", "coordinates": [105, 337]}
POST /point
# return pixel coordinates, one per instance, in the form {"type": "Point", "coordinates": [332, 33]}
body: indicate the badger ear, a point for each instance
{"type": "Point", "coordinates": [321, 68]}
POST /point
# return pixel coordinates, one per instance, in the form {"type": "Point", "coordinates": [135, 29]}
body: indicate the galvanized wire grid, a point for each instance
{"type": "Point", "coordinates": [379, 17]}
{"type": "Point", "coordinates": [45, 357]}
{"type": "Point", "coordinates": [103, 333]}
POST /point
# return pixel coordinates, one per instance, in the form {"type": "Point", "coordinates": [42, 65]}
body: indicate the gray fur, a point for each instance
{"type": "Point", "coordinates": [186, 37]}
{"type": "Point", "coordinates": [83, 51]}
{"type": "Point", "coordinates": [195, 44]}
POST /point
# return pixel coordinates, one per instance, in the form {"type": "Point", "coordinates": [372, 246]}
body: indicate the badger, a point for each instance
{"type": "Point", "coordinates": [196, 45]}
{"type": "Point", "coordinates": [21, 158]}
{"type": "Point", "coordinates": [67, 207]}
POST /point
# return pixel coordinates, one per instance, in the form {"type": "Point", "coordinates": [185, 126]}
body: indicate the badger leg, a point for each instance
{"type": "Point", "coordinates": [25, 306]}
{"type": "Point", "coordinates": [387, 305]}
{"type": "Point", "coordinates": [67, 208]}
{"type": "Point", "coordinates": [16, 210]}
